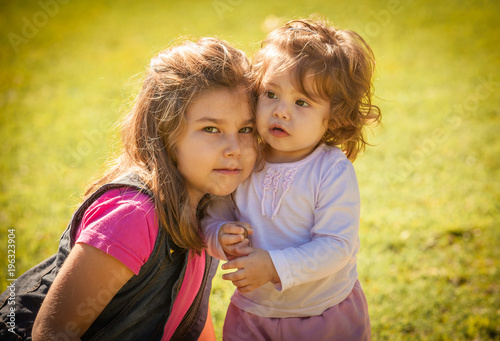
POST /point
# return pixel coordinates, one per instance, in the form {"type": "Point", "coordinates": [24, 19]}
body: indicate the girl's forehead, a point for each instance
{"type": "Point", "coordinates": [220, 104]}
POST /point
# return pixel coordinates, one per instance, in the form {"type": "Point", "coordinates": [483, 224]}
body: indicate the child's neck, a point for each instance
{"type": "Point", "coordinates": [272, 155]}
{"type": "Point", "coordinates": [194, 200]}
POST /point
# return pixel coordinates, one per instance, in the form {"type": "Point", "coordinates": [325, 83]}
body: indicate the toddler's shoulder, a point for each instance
{"type": "Point", "coordinates": [332, 156]}
{"type": "Point", "coordinates": [334, 164]}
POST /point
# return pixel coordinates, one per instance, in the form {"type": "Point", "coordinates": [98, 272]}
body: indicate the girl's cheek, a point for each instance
{"type": "Point", "coordinates": [248, 142]}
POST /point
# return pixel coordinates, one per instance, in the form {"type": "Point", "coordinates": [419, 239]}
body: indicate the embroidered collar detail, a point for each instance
{"type": "Point", "coordinates": [278, 181]}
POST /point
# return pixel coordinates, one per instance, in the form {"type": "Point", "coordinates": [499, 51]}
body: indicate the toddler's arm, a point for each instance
{"type": "Point", "coordinates": [87, 281]}
{"type": "Point", "coordinates": [254, 270]}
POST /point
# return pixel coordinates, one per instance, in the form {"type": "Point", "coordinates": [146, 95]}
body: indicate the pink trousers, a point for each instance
{"type": "Point", "coordinates": [348, 320]}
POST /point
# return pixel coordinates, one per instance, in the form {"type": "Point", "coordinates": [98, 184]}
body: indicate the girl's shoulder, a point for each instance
{"type": "Point", "coordinates": [127, 202]}
{"type": "Point", "coordinates": [121, 222]}
{"type": "Point", "coordinates": [125, 196]}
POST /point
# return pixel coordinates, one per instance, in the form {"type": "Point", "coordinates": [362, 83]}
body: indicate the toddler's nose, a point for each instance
{"type": "Point", "coordinates": [281, 111]}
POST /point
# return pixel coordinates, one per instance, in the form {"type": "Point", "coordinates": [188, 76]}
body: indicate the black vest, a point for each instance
{"type": "Point", "coordinates": [138, 311]}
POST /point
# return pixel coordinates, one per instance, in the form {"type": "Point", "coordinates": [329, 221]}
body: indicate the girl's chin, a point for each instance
{"type": "Point", "coordinates": [223, 191]}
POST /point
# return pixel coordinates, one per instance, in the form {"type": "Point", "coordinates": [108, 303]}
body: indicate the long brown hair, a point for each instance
{"type": "Point", "coordinates": [328, 63]}
{"type": "Point", "coordinates": [152, 128]}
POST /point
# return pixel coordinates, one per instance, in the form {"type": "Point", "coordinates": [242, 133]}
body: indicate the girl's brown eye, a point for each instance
{"type": "Point", "coordinates": [211, 130]}
{"type": "Point", "coordinates": [271, 94]}
{"type": "Point", "coordinates": [246, 130]}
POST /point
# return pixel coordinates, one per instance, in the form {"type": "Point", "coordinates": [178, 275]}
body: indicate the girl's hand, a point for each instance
{"type": "Point", "coordinates": [254, 270]}
{"type": "Point", "coordinates": [234, 237]}
{"type": "Point", "coordinates": [87, 281]}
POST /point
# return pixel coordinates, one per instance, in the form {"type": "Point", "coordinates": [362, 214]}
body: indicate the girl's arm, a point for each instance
{"type": "Point", "coordinates": [86, 283]}
{"type": "Point", "coordinates": [221, 211]}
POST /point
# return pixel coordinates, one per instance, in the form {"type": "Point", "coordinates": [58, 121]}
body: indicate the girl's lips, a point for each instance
{"type": "Point", "coordinates": [227, 171]}
{"type": "Point", "coordinates": [277, 131]}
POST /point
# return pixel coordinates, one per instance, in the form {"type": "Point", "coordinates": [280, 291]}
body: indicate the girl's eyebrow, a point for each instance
{"type": "Point", "coordinates": [219, 121]}
{"type": "Point", "coordinates": [210, 119]}
{"type": "Point", "coordinates": [272, 84]}
{"type": "Point", "coordinates": [250, 121]}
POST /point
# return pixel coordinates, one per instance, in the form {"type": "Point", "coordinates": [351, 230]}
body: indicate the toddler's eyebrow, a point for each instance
{"type": "Point", "coordinates": [309, 98]}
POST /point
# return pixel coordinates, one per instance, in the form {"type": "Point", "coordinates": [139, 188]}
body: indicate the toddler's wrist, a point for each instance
{"type": "Point", "coordinates": [275, 278]}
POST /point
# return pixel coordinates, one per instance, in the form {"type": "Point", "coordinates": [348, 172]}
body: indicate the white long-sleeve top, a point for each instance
{"type": "Point", "coordinates": [306, 214]}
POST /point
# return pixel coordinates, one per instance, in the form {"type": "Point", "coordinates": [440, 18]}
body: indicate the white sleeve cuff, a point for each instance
{"type": "Point", "coordinates": [282, 268]}
{"type": "Point", "coordinates": [219, 252]}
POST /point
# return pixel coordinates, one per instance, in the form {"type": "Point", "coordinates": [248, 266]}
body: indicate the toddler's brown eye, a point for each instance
{"type": "Point", "coordinates": [301, 103]}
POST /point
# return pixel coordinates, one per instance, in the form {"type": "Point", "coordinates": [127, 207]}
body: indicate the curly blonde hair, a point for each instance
{"type": "Point", "coordinates": [340, 64]}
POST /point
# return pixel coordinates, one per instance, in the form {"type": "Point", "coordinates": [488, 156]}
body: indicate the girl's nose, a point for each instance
{"type": "Point", "coordinates": [233, 147]}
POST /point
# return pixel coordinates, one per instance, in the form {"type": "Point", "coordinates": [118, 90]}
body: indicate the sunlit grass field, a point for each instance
{"type": "Point", "coordinates": [429, 186]}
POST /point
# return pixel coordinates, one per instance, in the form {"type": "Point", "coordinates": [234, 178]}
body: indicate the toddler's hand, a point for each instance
{"type": "Point", "coordinates": [254, 270]}
{"type": "Point", "coordinates": [234, 237]}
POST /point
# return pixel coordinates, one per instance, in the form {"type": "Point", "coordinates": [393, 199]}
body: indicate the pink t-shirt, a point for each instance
{"type": "Point", "coordinates": [123, 223]}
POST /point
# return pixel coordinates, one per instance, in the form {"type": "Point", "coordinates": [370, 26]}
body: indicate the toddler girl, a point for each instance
{"type": "Point", "coordinates": [131, 265]}
{"type": "Point", "coordinates": [299, 281]}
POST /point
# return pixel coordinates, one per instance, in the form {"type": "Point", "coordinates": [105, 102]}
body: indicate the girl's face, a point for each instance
{"type": "Point", "coordinates": [291, 123]}
{"type": "Point", "coordinates": [216, 150]}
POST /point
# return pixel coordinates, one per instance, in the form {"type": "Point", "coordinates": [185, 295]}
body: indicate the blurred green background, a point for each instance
{"type": "Point", "coordinates": [430, 187]}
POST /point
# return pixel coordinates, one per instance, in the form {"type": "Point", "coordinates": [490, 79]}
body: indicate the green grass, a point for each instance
{"type": "Point", "coordinates": [430, 187]}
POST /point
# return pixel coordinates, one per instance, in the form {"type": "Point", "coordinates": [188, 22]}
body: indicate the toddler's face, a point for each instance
{"type": "Point", "coordinates": [287, 120]}
{"type": "Point", "coordinates": [216, 151]}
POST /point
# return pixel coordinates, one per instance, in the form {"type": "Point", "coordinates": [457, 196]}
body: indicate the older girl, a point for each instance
{"type": "Point", "coordinates": [131, 265]}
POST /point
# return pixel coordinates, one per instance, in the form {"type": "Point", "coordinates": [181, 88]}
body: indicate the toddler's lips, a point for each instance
{"type": "Point", "coordinates": [278, 131]}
